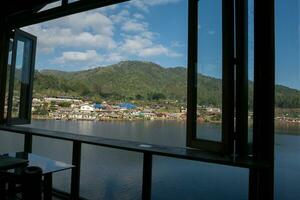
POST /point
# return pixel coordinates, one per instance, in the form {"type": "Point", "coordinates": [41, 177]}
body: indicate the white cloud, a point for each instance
{"type": "Point", "coordinates": [139, 4]}
{"type": "Point", "coordinates": [120, 17]}
{"type": "Point", "coordinates": [153, 51]}
{"type": "Point", "coordinates": [90, 38]}
{"type": "Point", "coordinates": [113, 57]}
{"type": "Point", "coordinates": [158, 50]}
{"type": "Point", "coordinates": [159, 2]}
{"type": "Point", "coordinates": [95, 21]}
{"type": "Point", "coordinates": [134, 26]}
{"type": "Point", "coordinates": [46, 50]}
{"type": "Point", "coordinates": [53, 37]}
{"type": "Point", "coordinates": [145, 4]}
{"type": "Point", "coordinates": [109, 8]}
{"type": "Point", "coordinates": [134, 44]}
{"type": "Point", "coordinates": [84, 30]}
{"type": "Point", "coordinates": [87, 58]}
{"type": "Point", "coordinates": [149, 35]}
{"type": "Point", "coordinates": [145, 47]}
{"type": "Point", "coordinates": [138, 16]}
{"type": "Point", "coordinates": [76, 56]}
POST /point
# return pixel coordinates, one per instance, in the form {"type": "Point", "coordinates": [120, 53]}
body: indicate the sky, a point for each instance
{"type": "Point", "coordinates": [156, 31]}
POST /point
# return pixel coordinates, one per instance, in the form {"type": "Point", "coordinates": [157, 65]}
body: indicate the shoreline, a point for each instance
{"type": "Point", "coordinates": [43, 118]}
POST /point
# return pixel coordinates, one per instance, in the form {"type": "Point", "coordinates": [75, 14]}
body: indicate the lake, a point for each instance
{"type": "Point", "coordinates": [117, 174]}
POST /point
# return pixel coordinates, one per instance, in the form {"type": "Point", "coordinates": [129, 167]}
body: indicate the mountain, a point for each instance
{"type": "Point", "coordinates": [139, 80]}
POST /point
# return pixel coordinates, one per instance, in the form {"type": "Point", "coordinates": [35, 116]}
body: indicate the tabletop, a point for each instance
{"type": "Point", "coordinates": [46, 164]}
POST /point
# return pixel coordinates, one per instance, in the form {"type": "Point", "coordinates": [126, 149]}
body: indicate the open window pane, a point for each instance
{"type": "Point", "coordinates": [20, 78]}
{"type": "Point", "coordinates": [7, 75]}
{"type": "Point", "coordinates": [250, 71]}
{"type": "Point", "coordinates": [127, 79]}
{"type": "Point", "coordinates": [209, 82]}
{"type": "Point", "coordinates": [287, 99]}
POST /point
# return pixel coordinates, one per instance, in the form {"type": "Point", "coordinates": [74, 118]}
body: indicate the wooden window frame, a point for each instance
{"type": "Point", "coordinates": [261, 180]}
{"type": "Point", "coordinates": [234, 80]}
{"type": "Point", "coordinates": [26, 89]}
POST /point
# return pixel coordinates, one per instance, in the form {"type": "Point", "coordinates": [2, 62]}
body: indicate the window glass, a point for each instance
{"type": "Point", "coordinates": [250, 70]}
{"type": "Point", "coordinates": [287, 99]}
{"type": "Point", "coordinates": [19, 78]}
{"type": "Point", "coordinates": [7, 76]}
{"type": "Point", "coordinates": [120, 69]}
{"type": "Point", "coordinates": [116, 72]}
{"type": "Point", "coordinates": [209, 78]}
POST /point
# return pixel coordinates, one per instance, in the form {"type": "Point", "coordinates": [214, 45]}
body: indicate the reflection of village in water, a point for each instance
{"type": "Point", "coordinates": [76, 109]}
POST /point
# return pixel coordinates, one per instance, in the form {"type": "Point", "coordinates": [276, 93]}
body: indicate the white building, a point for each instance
{"type": "Point", "coordinates": [59, 100]}
{"type": "Point", "coordinates": [87, 108]}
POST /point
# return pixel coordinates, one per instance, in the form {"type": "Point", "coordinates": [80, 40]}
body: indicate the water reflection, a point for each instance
{"type": "Point", "coordinates": [115, 174]}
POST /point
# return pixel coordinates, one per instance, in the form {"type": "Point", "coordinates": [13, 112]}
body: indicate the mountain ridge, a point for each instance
{"type": "Point", "coordinates": [130, 80]}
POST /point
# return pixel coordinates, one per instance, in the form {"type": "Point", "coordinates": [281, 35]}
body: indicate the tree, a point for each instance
{"type": "Point", "coordinates": [139, 97]}
{"type": "Point", "coordinates": [156, 96]}
{"type": "Point", "coordinates": [64, 104]}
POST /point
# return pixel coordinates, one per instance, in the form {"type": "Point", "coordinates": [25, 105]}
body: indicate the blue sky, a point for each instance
{"type": "Point", "coordinates": [288, 43]}
{"type": "Point", "coordinates": [157, 31]}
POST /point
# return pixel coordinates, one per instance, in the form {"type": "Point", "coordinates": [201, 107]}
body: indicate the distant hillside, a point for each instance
{"type": "Point", "coordinates": [139, 80]}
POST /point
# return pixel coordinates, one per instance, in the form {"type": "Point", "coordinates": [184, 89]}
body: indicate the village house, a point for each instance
{"type": "Point", "coordinates": [86, 108]}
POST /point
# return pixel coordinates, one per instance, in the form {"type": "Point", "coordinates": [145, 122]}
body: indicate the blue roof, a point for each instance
{"type": "Point", "coordinates": [98, 106]}
{"type": "Point", "coordinates": [127, 105]}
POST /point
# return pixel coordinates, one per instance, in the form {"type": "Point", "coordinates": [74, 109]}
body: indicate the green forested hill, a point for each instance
{"type": "Point", "coordinates": [139, 80]}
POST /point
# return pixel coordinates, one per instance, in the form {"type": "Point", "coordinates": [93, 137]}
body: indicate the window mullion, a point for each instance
{"type": "Point", "coordinates": [192, 71]}
{"type": "Point", "coordinates": [241, 20]}
{"type": "Point", "coordinates": [228, 76]}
